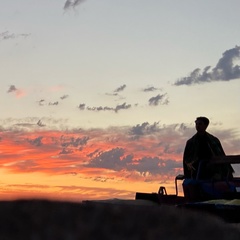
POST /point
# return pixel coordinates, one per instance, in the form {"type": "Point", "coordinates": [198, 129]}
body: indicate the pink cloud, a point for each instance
{"type": "Point", "coordinates": [149, 154]}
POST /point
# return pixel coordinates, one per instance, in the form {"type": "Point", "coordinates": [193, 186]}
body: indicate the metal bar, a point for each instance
{"type": "Point", "coordinates": [232, 159]}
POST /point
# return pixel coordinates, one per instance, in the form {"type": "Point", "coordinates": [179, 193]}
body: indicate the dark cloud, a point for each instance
{"type": "Point", "coordinates": [150, 89]}
{"type": "Point", "coordinates": [30, 125]}
{"type": "Point", "coordinates": [6, 35]}
{"type": "Point", "coordinates": [121, 88]}
{"type": "Point", "coordinates": [64, 97]}
{"type": "Point", "coordinates": [72, 4]}
{"type": "Point", "coordinates": [82, 106]}
{"type": "Point", "coordinates": [159, 99]}
{"type": "Point", "coordinates": [117, 90]}
{"type": "Point", "coordinates": [115, 160]}
{"type": "Point", "coordinates": [40, 124]}
{"type": "Point", "coordinates": [67, 5]}
{"type": "Point", "coordinates": [17, 92]}
{"type": "Point", "coordinates": [53, 103]}
{"type": "Point", "coordinates": [100, 108]}
{"type": "Point", "coordinates": [36, 142]}
{"type": "Point", "coordinates": [155, 166]}
{"type": "Point", "coordinates": [74, 142]}
{"type": "Point", "coordinates": [110, 160]}
{"type": "Point", "coordinates": [71, 144]}
{"type": "Point", "coordinates": [41, 102]}
{"type": "Point", "coordinates": [122, 106]}
{"type": "Point", "coordinates": [112, 94]}
{"type": "Point", "coordinates": [168, 143]}
{"type": "Point", "coordinates": [143, 129]}
{"type": "Point", "coordinates": [65, 151]}
{"type": "Point", "coordinates": [225, 70]}
{"type": "Point", "coordinates": [12, 88]}
{"type": "Point", "coordinates": [94, 153]}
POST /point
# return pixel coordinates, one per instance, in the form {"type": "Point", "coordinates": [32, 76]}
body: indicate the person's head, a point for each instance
{"type": "Point", "coordinates": [201, 124]}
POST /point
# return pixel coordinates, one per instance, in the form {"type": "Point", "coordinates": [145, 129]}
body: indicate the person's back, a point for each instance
{"type": "Point", "coordinates": [198, 153]}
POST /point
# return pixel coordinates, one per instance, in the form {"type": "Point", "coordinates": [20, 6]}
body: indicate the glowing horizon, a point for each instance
{"type": "Point", "coordinates": [92, 164]}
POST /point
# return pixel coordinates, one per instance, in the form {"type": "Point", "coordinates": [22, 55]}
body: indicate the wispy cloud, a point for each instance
{"type": "Point", "coordinates": [40, 124]}
{"type": "Point", "coordinates": [81, 106]}
{"type": "Point", "coordinates": [12, 88]}
{"type": "Point", "coordinates": [225, 70]}
{"type": "Point", "coordinates": [144, 129]}
{"type": "Point", "coordinates": [74, 141]}
{"type": "Point", "coordinates": [64, 97]}
{"type": "Point", "coordinates": [159, 99]}
{"type": "Point", "coordinates": [121, 88]}
{"type": "Point", "coordinates": [36, 141]}
{"type": "Point", "coordinates": [41, 102]}
{"type": "Point", "coordinates": [150, 89]}
{"type": "Point", "coordinates": [116, 109]}
{"type": "Point", "coordinates": [30, 123]}
{"type": "Point", "coordinates": [18, 92]}
{"type": "Point", "coordinates": [122, 106]}
{"type": "Point", "coordinates": [117, 90]}
{"type": "Point", "coordinates": [7, 35]}
{"type": "Point", "coordinates": [115, 159]}
{"type": "Point", "coordinates": [53, 103]}
{"type": "Point", "coordinates": [72, 4]}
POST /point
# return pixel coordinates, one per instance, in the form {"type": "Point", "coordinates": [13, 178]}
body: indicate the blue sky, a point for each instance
{"type": "Point", "coordinates": [136, 65]}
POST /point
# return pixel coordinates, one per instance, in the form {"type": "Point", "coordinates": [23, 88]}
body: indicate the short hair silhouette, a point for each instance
{"type": "Point", "coordinates": [205, 120]}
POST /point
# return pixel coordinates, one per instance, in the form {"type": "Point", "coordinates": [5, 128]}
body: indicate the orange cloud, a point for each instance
{"type": "Point", "coordinates": [114, 162]}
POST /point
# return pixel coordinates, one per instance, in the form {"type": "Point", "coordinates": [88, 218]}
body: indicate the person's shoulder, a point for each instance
{"type": "Point", "coordinates": [212, 136]}
{"type": "Point", "coordinates": [192, 139]}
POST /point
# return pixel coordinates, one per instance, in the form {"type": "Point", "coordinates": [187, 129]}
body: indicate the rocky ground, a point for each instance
{"type": "Point", "coordinates": [52, 220]}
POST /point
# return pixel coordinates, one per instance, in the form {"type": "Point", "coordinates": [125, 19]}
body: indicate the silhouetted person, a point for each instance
{"type": "Point", "coordinates": [201, 148]}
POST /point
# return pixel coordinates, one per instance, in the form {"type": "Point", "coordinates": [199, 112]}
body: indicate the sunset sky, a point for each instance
{"type": "Point", "coordinates": [98, 98]}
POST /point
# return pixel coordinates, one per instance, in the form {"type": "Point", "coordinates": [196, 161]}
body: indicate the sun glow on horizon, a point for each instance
{"type": "Point", "coordinates": [46, 163]}
{"type": "Point", "coordinates": [91, 164]}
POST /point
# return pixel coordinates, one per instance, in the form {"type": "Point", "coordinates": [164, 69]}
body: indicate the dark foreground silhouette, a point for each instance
{"type": "Point", "coordinates": [51, 220]}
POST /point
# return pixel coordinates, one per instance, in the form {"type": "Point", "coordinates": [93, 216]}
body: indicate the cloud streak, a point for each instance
{"type": "Point", "coordinates": [7, 35]}
{"type": "Point", "coordinates": [150, 89]}
{"type": "Point", "coordinates": [159, 99]}
{"type": "Point", "coordinates": [121, 88]}
{"type": "Point", "coordinates": [72, 4]}
{"type": "Point", "coordinates": [116, 109]}
{"type": "Point", "coordinates": [18, 92]}
{"type": "Point", "coordinates": [12, 88]}
{"type": "Point", "coordinates": [225, 70]}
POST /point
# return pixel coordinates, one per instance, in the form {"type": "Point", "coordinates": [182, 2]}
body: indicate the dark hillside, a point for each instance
{"type": "Point", "coordinates": [51, 220]}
